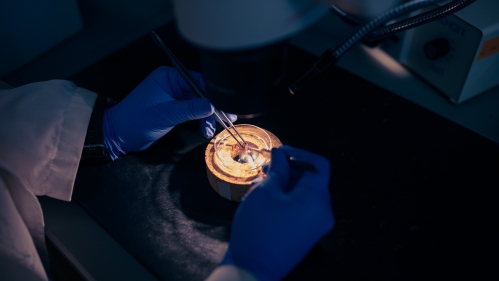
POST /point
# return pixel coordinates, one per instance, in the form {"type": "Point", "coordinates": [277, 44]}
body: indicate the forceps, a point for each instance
{"type": "Point", "coordinates": [197, 88]}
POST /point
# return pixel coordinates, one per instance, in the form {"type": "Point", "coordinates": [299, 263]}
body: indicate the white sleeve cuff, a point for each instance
{"type": "Point", "coordinates": [230, 273]}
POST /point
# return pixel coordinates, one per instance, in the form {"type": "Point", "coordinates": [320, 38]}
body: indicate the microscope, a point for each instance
{"type": "Point", "coordinates": [243, 43]}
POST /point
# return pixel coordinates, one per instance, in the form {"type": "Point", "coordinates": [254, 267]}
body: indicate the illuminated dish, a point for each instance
{"type": "Point", "coordinates": [229, 175]}
{"type": "Point", "coordinates": [228, 152]}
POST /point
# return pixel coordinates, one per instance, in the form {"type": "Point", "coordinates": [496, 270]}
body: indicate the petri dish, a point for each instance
{"type": "Point", "coordinates": [227, 151]}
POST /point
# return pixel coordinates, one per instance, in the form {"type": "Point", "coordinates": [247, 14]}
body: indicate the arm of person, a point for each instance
{"type": "Point", "coordinates": [159, 103]}
{"type": "Point", "coordinates": [42, 132]}
{"type": "Point", "coordinates": [280, 220]}
{"type": "Point", "coordinates": [230, 273]}
{"type": "Point", "coordinates": [19, 259]}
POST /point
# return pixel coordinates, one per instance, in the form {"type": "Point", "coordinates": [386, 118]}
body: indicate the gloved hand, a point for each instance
{"type": "Point", "coordinates": [152, 109]}
{"type": "Point", "coordinates": [281, 219]}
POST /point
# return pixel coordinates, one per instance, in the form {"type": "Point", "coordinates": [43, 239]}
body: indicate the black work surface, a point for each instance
{"type": "Point", "coordinates": [412, 193]}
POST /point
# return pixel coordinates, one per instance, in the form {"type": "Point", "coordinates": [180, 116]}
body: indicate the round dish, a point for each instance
{"type": "Point", "coordinates": [228, 177]}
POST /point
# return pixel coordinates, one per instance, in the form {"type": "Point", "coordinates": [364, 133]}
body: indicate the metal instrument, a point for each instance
{"type": "Point", "coordinates": [197, 88]}
{"type": "Point", "coordinates": [294, 163]}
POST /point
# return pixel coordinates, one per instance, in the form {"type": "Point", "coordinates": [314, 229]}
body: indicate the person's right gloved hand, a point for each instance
{"type": "Point", "coordinates": [281, 219]}
{"type": "Point", "coordinates": [160, 102]}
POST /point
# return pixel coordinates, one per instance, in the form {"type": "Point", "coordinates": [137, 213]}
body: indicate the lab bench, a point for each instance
{"type": "Point", "coordinates": [412, 192]}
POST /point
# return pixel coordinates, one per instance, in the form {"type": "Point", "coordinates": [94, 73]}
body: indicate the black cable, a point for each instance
{"type": "Point", "coordinates": [379, 21]}
{"type": "Point", "coordinates": [331, 56]}
{"type": "Point", "coordinates": [418, 20]}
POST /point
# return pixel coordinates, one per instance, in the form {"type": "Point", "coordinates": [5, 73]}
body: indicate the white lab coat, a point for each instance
{"type": "Point", "coordinates": [42, 131]}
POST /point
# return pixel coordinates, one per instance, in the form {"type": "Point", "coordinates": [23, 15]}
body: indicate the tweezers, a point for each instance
{"type": "Point", "coordinates": [197, 88]}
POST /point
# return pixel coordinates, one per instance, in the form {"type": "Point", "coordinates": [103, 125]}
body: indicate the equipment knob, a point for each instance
{"type": "Point", "coordinates": [436, 48]}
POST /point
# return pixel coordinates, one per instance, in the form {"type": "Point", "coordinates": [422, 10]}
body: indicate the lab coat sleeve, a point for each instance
{"type": "Point", "coordinates": [19, 258]}
{"type": "Point", "coordinates": [42, 131]}
{"type": "Point", "coordinates": [42, 134]}
{"type": "Point", "coordinates": [230, 273]}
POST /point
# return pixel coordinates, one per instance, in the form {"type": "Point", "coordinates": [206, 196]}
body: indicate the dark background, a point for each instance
{"type": "Point", "coordinates": [413, 194]}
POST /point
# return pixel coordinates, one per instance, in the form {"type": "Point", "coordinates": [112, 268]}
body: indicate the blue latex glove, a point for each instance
{"type": "Point", "coordinates": [152, 109]}
{"type": "Point", "coordinates": [281, 219]}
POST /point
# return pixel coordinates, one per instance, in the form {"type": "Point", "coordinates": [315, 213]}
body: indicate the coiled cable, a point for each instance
{"type": "Point", "coordinates": [331, 56]}
{"type": "Point", "coordinates": [418, 20]}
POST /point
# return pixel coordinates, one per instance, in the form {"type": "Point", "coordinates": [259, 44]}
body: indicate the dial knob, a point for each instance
{"type": "Point", "coordinates": [436, 48]}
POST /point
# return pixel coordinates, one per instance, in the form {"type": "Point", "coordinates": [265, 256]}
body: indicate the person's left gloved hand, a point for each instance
{"type": "Point", "coordinates": [282, 218]}
{"type": "Point", "coordinates": [152, 109]}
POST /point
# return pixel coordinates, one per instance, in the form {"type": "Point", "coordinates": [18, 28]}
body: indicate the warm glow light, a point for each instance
{"type": "Point", "coordinates": [227, 151]}
{"type": "Point", "coordinates": [387, 61]}
{"type": "Point", "coordinates": [229, 175]}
